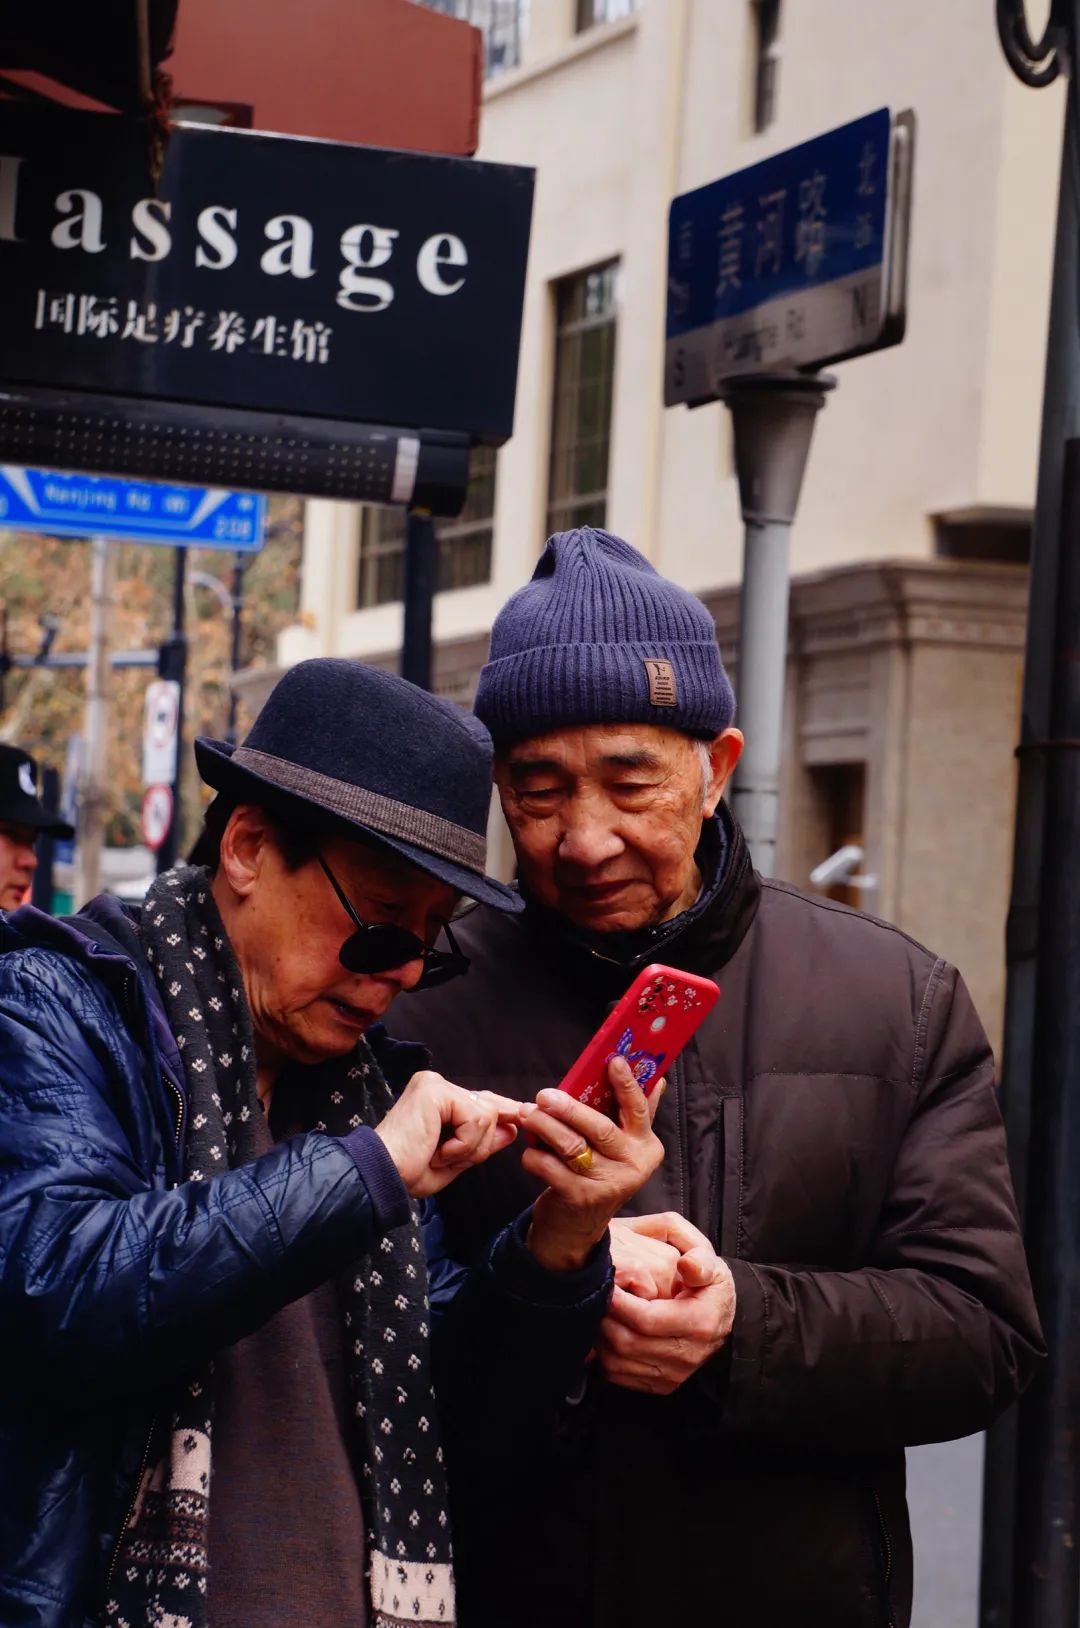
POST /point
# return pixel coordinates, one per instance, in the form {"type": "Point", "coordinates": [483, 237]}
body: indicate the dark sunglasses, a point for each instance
{"type": "Point", "coordinates": [380, 947]}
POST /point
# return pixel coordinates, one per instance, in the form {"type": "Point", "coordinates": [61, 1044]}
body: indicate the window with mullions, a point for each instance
{"type": "Point", "coordinates": [591, 12]}
{"type": "Point", "coordinates": [502, 22]}
{"type": "Point", "coordinates": [464, 542]}
{"type": "Point", "coordinates": [586, 310]}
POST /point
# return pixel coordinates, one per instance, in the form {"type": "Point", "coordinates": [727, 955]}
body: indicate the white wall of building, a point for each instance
{"type": "Point", "coordinates": [619, 119]}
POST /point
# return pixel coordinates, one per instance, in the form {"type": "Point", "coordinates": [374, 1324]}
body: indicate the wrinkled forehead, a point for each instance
{"type": "Point", "coordinates": [598, 748]}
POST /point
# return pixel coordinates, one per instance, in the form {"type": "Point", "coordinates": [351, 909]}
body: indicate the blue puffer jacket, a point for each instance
{"type": "Point", "coordinates": [117, 1278]}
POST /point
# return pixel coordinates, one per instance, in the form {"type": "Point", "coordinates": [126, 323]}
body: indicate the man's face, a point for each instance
{"type": "Point", "coordinates": [18, 862]}
{"type": "Point", "coordinates": [606, 819]}
{"type": "Point", "coordinates": [287, 928]}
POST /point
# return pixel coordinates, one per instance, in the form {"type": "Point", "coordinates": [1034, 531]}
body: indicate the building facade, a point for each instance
{"type": "Point", "coordinates": [910, 546]}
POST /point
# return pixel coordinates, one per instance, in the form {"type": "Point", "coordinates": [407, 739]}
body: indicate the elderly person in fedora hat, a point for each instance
{"type": "Point", "coordinates": [23, 818]}
{"type": "Point", "coordinates": [217, 1405]}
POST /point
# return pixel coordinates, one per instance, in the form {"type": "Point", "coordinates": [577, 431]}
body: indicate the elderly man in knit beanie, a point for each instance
{"type": "Point", "coordinates": [826, 1268]}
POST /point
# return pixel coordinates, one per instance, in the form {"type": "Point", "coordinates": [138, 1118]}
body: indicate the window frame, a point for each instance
{"type": "Point", "coordinates": [564, 510]}
{"type": "Point", "coordinates": [382, 538]}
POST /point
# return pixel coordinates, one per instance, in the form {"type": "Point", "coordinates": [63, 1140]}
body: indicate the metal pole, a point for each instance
{"type": "Point", "coordinates": [91, 821]}
{"type": "Point", "coordinates": [239, 563]}
{"type": "Point", "coordinates": [773, 417]}
{"type": "Point", "coordinates": [172, 663]}
{"type": "Point", "coordinates": [41, 888]}
{"type": "Point", "coordinates": [763, 625]}
{"type": "Point", "coordinates": [421, 582]}
{"type": "Point", "coordinates": [1048, 1459]}
{"type": "Point", "coordinates": [1001, 1563]}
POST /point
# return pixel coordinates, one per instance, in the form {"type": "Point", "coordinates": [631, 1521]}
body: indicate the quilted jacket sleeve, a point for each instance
{"type": "Point", "coordinates": [105, 1284]}
{"type": "Point", "coordinates": [938, 1333]}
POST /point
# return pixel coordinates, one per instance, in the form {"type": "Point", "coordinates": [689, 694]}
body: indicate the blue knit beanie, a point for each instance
{"type": "Point", "coordinates": [599, 637]}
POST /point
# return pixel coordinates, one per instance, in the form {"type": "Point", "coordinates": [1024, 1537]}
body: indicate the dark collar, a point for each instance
{"type": "Point", "coordinates": [702, 939]}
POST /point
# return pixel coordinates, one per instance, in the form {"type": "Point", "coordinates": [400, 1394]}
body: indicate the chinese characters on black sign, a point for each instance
{"type": "Point", "coordinates": [265, 273]}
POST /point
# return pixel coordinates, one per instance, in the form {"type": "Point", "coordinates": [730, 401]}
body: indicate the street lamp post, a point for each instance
{"type": "Point", "coordinates": [1030, 1561]}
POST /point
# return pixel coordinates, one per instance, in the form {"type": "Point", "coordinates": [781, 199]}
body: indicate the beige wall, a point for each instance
{"type": "Point", "coordinates": [925, 693]}
{"type": "Point", "coordinates": [620, 118]}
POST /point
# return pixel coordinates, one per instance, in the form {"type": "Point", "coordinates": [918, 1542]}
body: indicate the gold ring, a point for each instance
{"type": "Point", "coordinates": [581, 1162]}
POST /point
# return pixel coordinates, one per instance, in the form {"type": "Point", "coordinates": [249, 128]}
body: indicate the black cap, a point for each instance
{"type": "Point", "coordinates": [19, 802]}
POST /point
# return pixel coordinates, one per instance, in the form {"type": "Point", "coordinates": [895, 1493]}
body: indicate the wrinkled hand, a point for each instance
{"type": "Point", "coordinates": [572, 1214]}
{"type": "Point", "coordinates": [655, 1345]}
{"type": "Point", "coordinates": [435, 1130]}
{"type": "Point", "coordinates": [644, 1265]}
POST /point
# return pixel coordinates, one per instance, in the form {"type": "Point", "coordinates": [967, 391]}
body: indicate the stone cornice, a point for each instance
{"type": "Point", "coordinates": [890, 602]}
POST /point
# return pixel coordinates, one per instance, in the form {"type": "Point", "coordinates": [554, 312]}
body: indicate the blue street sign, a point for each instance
{"type": "Point", "coordinates": [795, 261]}
{"type": "Point", "coordinates": [137, 511]}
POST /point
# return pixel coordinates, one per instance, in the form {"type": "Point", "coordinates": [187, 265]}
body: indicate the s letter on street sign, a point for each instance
{"type": "Point", "coordinates": [277, 313]}
{"type": "Point", "coordinates": [794, 262]}
{"type": "Point", "coordinates": [139, 511]}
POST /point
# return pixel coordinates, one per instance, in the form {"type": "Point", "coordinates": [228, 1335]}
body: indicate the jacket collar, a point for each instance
{"type": "Point", "coordinates": [702, 939]}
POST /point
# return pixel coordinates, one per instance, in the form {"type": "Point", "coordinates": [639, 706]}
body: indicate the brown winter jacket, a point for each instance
{"type": "Point", "coordinates": [833, 1129]}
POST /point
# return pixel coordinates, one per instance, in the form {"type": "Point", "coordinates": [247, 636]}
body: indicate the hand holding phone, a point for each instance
{"type": "Point", "coordinates": [649, 1027]}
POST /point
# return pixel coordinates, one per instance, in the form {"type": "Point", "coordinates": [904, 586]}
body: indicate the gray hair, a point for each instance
{"type": "Point", "coordinates": [705, 759]}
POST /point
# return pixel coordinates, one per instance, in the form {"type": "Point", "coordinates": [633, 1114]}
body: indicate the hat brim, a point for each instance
{"type": "Point", "coordinates": [215, 765]}
{"type": "Point", "coordinates": [38, 819]}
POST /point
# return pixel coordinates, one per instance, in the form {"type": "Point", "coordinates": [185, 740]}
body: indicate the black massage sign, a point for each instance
{"type": "Point", "coordinates": [280, 312]}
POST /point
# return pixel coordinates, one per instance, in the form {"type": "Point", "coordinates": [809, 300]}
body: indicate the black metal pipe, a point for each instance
{"type": "Point", "coordinates": [1060, 419]}
{"type": "Point", "coordinates": [421, 582]}
{"type": "Point", "coordinates": [1047, 1585]}
{"type": "Point", "coordinates": [41, 888]}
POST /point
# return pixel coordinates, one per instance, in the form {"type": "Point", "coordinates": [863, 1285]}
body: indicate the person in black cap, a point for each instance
{"type": "Point", "coordinates": [23, 818]}
{"type": "Point", "coordinates": [217, 1403]}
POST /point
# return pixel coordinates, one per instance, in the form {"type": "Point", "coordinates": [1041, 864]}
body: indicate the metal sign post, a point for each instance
{"type": "Point", "coordinates": [772, 272]}
{"type": "Point", "coordinates": [773, 419]}
{"type": "Point", "coordinates": [421, 582]}
{"type": "Point", "coordinates": [1029, 1548]}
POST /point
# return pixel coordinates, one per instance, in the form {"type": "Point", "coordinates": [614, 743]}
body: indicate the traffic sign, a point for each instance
{"type": "Point", "coordinates": [139, 511]}
{"type": "Point", "coordinates": [157, 813]}
{"type": "Point", "coordinates": [796, 261]}
{"type": "Point", "coordinates": [161, 717]}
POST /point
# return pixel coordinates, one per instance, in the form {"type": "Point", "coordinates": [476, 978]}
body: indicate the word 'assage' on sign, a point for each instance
{"type": "Point", "coordinates": [440, 265]}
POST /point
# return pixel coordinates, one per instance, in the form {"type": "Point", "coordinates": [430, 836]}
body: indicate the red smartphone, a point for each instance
{"type": "Point", "coordinates": [649, 1027]}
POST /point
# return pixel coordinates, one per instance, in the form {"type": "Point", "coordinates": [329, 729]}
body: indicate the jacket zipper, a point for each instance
{"type": "Point", "coordinates": [153, 1423]}
{"type": "Point", "coordinates": [679, 1082]}
{"type": "Point", "coordinates": [887, 1544]}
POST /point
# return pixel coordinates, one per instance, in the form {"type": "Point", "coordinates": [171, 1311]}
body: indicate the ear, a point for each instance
{"type": "Point", "coordinates": [245, 844]}
{"type": "Point", "coordinates": [724, 753]}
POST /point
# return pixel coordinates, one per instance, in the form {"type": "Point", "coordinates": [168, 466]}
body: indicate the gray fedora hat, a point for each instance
{"type": "Point", "coordinates": [346, 748]}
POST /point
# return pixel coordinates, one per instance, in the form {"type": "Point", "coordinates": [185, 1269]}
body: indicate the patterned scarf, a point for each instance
{"type": "Point", "coordinates": [160, 1574]}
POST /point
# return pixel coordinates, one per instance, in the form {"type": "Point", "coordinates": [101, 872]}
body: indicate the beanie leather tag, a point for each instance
{"type": "Point", "coordinates": [662, 688]}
